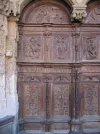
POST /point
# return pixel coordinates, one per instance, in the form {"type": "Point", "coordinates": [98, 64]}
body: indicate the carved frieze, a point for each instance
{"type": "Point", "coordinates": [91, 99]}
{"type": "Point", "coordinates": [90, 79]}
{"type": "Point", "coordinates": [61, 100]}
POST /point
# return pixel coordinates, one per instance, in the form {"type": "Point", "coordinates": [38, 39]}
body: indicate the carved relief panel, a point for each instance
{"type": "Point", "coordinates": [90, 46]}
{"type": "Point", "coordinates": [62, 47]}
{"type": "Point", "coordinates": [61, 93]}
{"type": "Point", "coordinates": [32, 99]}
{"type": "Point", "coordinates": [91, 99]}
{"type": "Point", "coordinates": [46, 12]}
{"type": "Point", "coordinates": [90, 96]}
{"type": "Point", "coordinates": [32, 48]}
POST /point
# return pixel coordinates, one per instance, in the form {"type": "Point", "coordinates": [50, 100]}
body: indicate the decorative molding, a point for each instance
{"type": "Point", "coordinates": [79, 12]}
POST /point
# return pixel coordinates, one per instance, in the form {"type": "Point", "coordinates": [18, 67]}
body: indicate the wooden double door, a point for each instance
{"type": "Point", "coordinates": [46, 100]}
{"type": "Point", "coordinates": [58, 71]}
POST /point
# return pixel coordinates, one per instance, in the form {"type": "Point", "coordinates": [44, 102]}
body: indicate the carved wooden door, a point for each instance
{"type": "Point", "coordinates": [58, 71]}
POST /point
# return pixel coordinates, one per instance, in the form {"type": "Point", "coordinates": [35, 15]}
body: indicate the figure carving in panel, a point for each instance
{"type": "Point", "coordinates": [90, 51]}
{"type": "Point", "coordinates": [94, 16]}
{"type": "Point", "coordinates": [61, 100]}
{"type": "Point", "coordinates": [33, 48]}
{"type": "Point", "coordinates": [91, 99]}
{"type": "Point", "coordinates": [32, 102]}
{"type": "Point", "coordinates": [47, 14]}
{"type": "Point", "coordinates": [61, 47]}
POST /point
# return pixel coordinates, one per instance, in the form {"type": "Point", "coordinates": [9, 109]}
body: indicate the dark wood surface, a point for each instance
{"type": "Point", "coordinates": [58, 70]}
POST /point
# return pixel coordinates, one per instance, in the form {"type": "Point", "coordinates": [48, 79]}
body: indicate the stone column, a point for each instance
{"type": "Point", "coordinates": [3, 34]}
{"type": "Point", "coordinates": [11, 67]}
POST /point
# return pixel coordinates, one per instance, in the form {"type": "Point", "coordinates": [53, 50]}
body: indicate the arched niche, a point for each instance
{"type": "Point", "coordinates": [38, 12]}
{"type": "Point", "coordinates": [93, 10]}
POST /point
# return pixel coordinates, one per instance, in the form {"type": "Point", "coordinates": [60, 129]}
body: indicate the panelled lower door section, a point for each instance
{"type": "Point", "coordinates": [60, 89]}
{"type": "Point", "coordinates": [45, 100]}
{"type": "Point", "coordinates": [33, 102]}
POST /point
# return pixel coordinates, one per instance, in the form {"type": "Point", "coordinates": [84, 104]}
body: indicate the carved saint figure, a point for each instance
{"type": "Point", "coordinates": [61, 47]}
{"type": "Point", "coordinates": [33, 48]}
{"type": "Point", "coordinates": [91, 49]}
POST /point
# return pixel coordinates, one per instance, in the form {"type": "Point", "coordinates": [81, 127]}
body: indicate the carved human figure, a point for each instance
{"type": "Point", "coordinates": [91, 49]}
{"type": "Point", "coordinates": [61, 47]}
{"type": "Point", "coordinates": [33, 48]}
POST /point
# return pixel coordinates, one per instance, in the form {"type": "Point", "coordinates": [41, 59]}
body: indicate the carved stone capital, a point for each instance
{"type": "Point", "coordinates": [79, 12]}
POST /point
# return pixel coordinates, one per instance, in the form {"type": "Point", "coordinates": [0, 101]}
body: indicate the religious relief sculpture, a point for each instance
{"type": "Point", "coordinates": [91, 99]}
{"type": "Point", "coordinates": [48, 14]}
{"type": "Point", "coordinates": [32, 99]}
{"type": "Point", "coordinates": [94, 16]}
{"type": "Point", "coordinates": [90, 48]}
{"type": "Point", "coordinates": [33, 48]}
{"type": "Point", "coordinates": [62, 45]}
{"type": "Point", "coordinates": [61, 99]}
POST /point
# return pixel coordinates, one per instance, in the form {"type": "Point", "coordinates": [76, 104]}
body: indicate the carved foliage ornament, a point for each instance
{"type": "Point", "coordinates": [91, 99]}
{"type": "Point", "coordinates": [61, 100]}
{"type": "Point", "coordinates": [32, 99]}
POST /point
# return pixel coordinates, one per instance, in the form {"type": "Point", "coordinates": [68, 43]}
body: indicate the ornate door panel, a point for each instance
{"type": "Point", "coordinates": [58, 71]}
{"type": "Point", "coordinates": [46, 44]}
{"type": "Point", "coordinates": [90, 43]}
{"type": "Point", "coordinates": [32, 101]}
{"type": "Point", "coordinates": [44, 95]}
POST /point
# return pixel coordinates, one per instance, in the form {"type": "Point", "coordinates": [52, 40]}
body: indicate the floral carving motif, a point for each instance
{"type": "Point", "coordinates": [91, 48]}
{"type": "Point", "coordinates": [33, 48]}
{"type": "Point", "coordinates": [32, 99]}
{"type": "Point", "coordinates": [61, 103]}
{"type": "Point", "coordinates": [91, 99]}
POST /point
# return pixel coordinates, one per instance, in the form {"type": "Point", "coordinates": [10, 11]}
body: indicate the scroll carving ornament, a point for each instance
{"type": "Point", "coordinates": [33, 101]}
{"type": "Point", "coordinates": [91, 99]}
{"type": "Point", "coordinates": [61, 95]}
